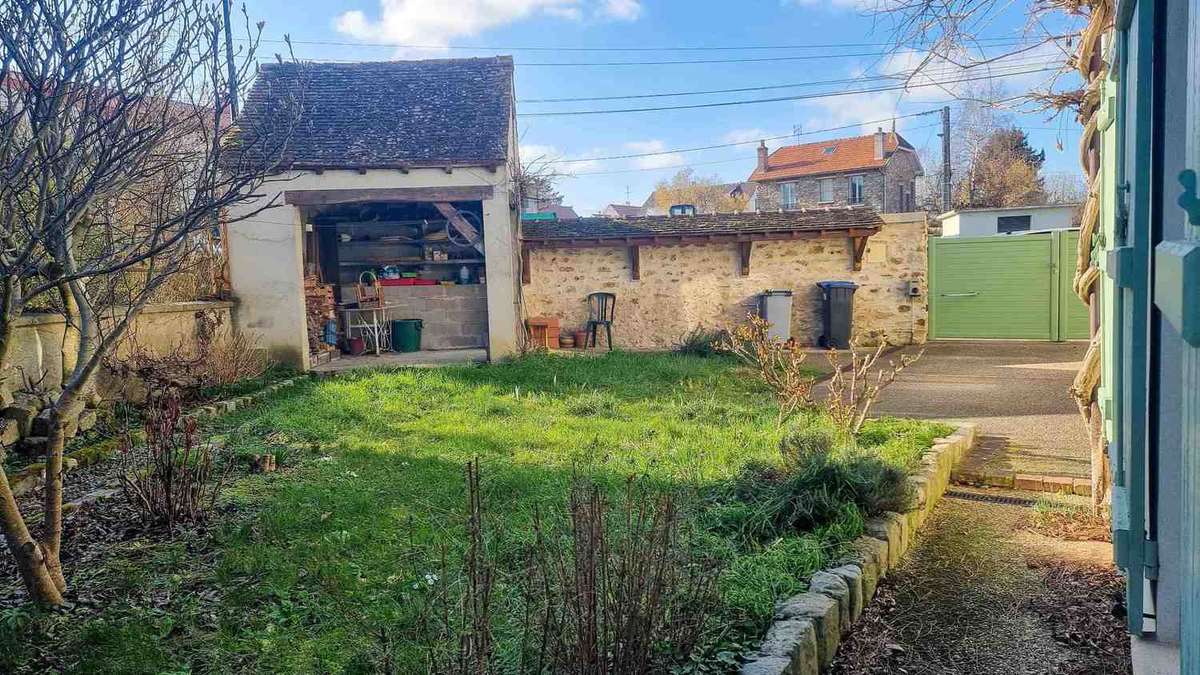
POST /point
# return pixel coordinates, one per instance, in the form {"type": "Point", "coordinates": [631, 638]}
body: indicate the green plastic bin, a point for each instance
{"type": "Point", "coordinates": [406, 335]}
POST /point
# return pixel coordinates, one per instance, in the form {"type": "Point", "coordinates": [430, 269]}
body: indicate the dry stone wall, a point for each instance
{"type": "Point", "coordinates": [682, 287]}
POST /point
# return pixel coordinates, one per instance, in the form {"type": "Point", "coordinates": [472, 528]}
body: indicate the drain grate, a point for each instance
{"type": "Point", "coordinates": [994, 499]}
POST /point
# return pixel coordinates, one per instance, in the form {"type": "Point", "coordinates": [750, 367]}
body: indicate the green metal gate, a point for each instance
{"type": "Point", "coordinates": [1005, 287]}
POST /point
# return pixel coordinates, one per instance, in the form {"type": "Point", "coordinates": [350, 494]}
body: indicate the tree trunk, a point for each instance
{"type": "Point", "coordinates": [30, 555]}
{"type": "Point", "coordinates": [51, 538]}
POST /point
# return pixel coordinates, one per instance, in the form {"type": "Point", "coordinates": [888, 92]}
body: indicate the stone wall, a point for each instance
{"type": "Point", "coordinates": [900, 182]}
{"type": "Point", "coordinates": [37, 340]}
{"type": "Point", "coordinates": [454, 317]}
{"type": "Point", "coordinates": [682, 287]}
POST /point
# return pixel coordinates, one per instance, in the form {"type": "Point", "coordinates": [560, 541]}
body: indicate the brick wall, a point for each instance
{"type": "Point", "coordinates": [686, 286]}
{"type": "Point", "coordinates": [454, 316]}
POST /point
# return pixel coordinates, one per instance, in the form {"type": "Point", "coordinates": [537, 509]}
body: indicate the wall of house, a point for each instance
{"type": "Point", "coordinates": [266, 257]}
{"type": "Point", "coordinates": [982, 223]}
{"type": "Point", "coordinates": [37, 341]}
{"type": "Point", "coordinates": [900, 182]}
{"type": "Point", "coordinates": [882, 189]}
{"type": "Point", "coordinates": [682, 287]}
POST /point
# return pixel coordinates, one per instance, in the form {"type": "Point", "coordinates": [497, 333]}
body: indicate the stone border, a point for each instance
{"type": "Point", "coordinates": [804, 637]}
{"type": "Point", "coordinates": [33, 475]}
{"type": "Point", "coordinates": [1066, 485]}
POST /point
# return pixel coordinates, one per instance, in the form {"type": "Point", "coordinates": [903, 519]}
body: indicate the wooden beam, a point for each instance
{"type": "Point", "coordinates": [744, 249]}
{"type": "Point", "coordinates": [635, 262]}
{"type": "Point", "coordinates": [526, 271]}
{"type": "Point", "coordinates": [858, 247]}
{"type": "Point", "coordinates": [472, 193]}
{"type": "Point", "coordinates": [696, 239]}
{"type": "Point", "coordinates": [459, 223]}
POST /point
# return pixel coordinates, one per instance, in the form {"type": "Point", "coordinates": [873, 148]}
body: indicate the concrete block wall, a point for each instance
{"type": "Point", "coordinates": [454, 317]}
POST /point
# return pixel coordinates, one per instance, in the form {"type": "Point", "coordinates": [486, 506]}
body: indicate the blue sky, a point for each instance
{"type": "Point", "coordinates": [826, 29]}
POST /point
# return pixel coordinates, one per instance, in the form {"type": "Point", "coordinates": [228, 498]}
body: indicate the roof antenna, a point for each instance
{"type": "Point", "coordinates": [797, 131]}
{"type": "Point", "coordinates": [893, 125]}
{"type": "Point", "coordinates": [626, 194]}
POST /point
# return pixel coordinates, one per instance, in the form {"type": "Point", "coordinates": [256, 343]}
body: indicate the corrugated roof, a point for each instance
{"type": "Point", "coordinates": [702, 225]}
{"type": "Point", "coordinates": [837, 155]}
{"type": "Point", "coordinates": [390, 114]}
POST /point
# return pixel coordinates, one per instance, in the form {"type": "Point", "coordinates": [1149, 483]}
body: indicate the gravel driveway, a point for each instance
{"type": "Point", "coordinates": [1016, 391]}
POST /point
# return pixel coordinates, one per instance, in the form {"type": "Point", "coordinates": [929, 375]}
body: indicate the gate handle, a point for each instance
{"type": "Point", "coordinates": [960, 295]}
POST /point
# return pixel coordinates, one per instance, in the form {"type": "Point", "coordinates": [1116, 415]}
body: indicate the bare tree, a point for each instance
{"type": "Point", "coordinates": [116, 157]}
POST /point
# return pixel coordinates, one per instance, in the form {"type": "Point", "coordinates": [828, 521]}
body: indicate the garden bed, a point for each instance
{"type": "Point", "coordinates": [334, 563]}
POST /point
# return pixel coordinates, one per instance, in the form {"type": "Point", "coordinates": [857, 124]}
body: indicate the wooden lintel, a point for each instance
{"type": "Point", "coordinates": [744, 249]}
{"type": "Point", "coordinates": [471, 193]}
{"type": "Point", "coordinates": [459, 223]}
{"type": "Point", "coordinates": [526, 271]}
{"type": "Point", "coordinates": [635, 262]}
{"type": "Point", "coordinates": [699, 239]}
{"type": "Point", "coordinates": [858, 247]}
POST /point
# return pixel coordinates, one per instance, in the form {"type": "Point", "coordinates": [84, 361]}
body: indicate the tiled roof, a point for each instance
{"type": "Point", "coordinates": [391, 114]}
{"type": "Point", "coordinates": [703, 225]}
{"type": "Point", "coordinates": [627, 210]}
{"type": "Point", "coordinates": [837, 155]}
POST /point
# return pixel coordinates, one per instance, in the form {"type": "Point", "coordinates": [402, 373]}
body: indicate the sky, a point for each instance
{"type": "Point", "coordinates": [572, 49]}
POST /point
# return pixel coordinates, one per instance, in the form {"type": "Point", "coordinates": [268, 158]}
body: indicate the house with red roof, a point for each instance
{"type": "Point", "coordinates": [878, 170]}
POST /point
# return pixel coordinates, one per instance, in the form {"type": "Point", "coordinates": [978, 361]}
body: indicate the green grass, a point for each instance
{"type": "Point", "coordinates": [322, 566]}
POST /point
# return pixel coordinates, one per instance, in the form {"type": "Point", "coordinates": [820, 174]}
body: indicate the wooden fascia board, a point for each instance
{"type": "Point", "coordinates": [470, 193]}
{"type": "Point", "coordinates": [701, 239]}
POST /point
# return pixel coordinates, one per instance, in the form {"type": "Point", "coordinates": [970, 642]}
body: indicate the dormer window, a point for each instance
{"type": "Point", "coordinates": [829, 149]}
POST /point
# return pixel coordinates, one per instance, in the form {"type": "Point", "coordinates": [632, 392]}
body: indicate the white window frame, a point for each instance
{"type": "Point", "coordinates": [862, 189]}
{"type": "Point", "coordinates": [783, 202]}
{"type": "Point", "coordinates": [821, 183]}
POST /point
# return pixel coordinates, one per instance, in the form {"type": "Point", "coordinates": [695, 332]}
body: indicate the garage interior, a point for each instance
{"type": "Point", "coordinates": [371, 264]}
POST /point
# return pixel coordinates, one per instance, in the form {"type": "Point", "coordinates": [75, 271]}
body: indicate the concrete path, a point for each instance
{"type": "Point", "coordinates": [979, 593]}
{"type": "Point", "coordinates": [1015, 391]}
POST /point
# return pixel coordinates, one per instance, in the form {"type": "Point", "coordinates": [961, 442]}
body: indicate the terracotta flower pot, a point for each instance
{"type": "Point", "coordinates": [581, 338]}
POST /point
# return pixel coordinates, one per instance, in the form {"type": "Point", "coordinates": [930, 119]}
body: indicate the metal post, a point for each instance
{"type": "Point", "coordinates": [946, 205]}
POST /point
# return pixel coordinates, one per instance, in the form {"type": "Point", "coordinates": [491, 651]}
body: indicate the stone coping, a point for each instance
{"type": "Point", "coordinates": [50, 318]}
{"type": "Point", "coordinates": [807, 629]}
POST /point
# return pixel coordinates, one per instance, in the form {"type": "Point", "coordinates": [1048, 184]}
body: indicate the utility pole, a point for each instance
{"type": "Point", "coordinates": [233, 84]}
{"type": "Point", "coordinates": [945, 158]}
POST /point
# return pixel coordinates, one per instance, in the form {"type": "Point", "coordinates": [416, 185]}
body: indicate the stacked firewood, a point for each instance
{"type": "Point", "coordinates": [318, 305]}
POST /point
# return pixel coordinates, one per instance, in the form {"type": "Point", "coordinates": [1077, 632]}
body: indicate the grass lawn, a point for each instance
{"type": "Point", "coordinates": [324, 566]}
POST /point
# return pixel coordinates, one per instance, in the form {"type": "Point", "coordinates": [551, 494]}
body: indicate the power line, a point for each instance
{"type": "Point", "coordinates": [639, 155]}
{"type": "Point", "coordinates": [997, 41]}
{"type": "Point", "coordinates": [776, 99]}
{"type": "Point", "coordinates": [847, 80]}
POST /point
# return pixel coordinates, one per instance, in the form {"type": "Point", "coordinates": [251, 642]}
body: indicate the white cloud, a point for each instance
{"type": "Point", "coordinates": [548, 155]}
{"type": "Point", "coordinates": [653, 161]}
{"type": "Point", "coordinates": [431, 22]}
{"type": "Point", "coordinates": [745, 135]}
{"type": "Point", "coordinates": [620, 10]}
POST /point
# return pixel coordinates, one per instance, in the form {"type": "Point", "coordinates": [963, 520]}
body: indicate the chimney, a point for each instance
{"type": "Point", "coordinates": [879, 135]}
{"type": "Point", "coordinates": [762, 155]}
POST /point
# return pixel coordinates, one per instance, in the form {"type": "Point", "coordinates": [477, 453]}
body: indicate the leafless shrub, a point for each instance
{"type": "Point", "coordinates": [853, 388]}
{"type": "Point", "coordinates": [213, 358]}
{"type": "Point", "coordinates": [176, 480]}
{"type": "Point", "coordinates": [623, 599]}
{"type": "Point", "coordinates": [606, 590]}
{"type": "Point", "coordinates": [779, 364]}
